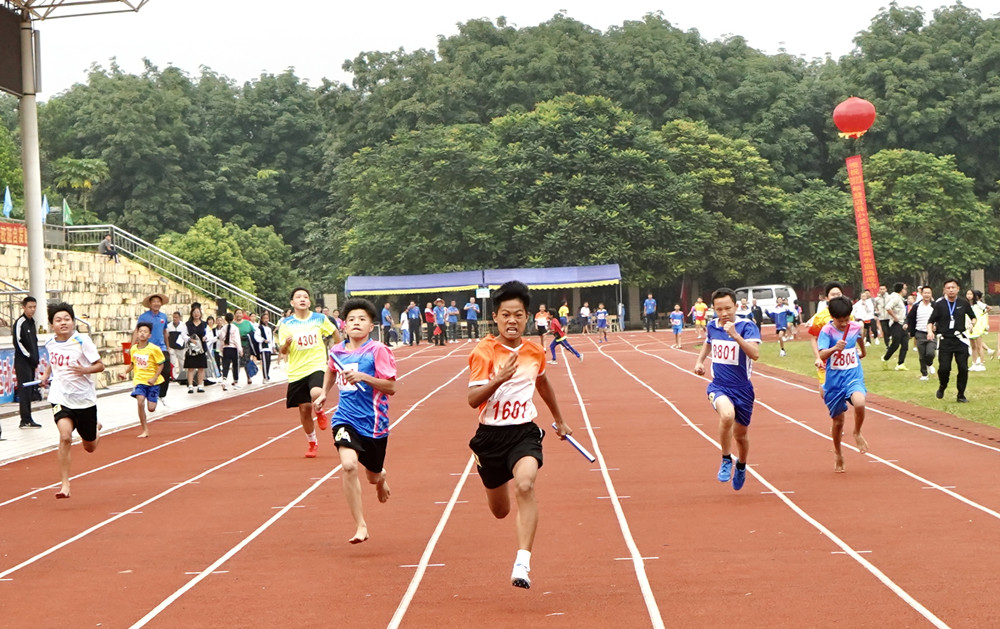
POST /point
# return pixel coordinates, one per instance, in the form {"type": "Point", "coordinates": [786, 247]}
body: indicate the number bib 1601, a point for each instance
{"type": "Point", "coordinates": [725, 352]}
{"type": "Point", "coordinates": [847, 359]}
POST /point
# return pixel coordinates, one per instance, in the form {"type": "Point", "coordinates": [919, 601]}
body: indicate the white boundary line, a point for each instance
{"type": "Point", "coordinates": [411, 589]}
{"type": "Point", "coordinates": [266, 525]}
{"type": "Point", "coordinates": [891, 464]}
{"type": "Point", "coordinates": [867, 565]}
{"type": "Point", "coordinates": [636, 557]}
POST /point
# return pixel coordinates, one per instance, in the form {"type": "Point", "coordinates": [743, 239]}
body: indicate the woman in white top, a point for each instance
{"type": "Point", "coordinates": [265, 341]}
{"type": "Point", "coordinates": [232, 349]}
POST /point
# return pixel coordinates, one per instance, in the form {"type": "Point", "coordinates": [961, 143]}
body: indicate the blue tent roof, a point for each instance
{"type": "Point", "coordinates": [548, 278]}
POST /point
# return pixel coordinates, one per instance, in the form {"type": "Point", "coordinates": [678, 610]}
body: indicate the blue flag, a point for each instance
{"type": "Point", "coordinates": [45, 208]}
{"type": "Point", "coordinates": [8, 205]}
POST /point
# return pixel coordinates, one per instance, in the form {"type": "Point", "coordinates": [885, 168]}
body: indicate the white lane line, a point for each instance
{"type": "Point", "coordinates": [637, 560]}
{"type": "Point", "coordinates": [143, 453]}
{"type": "Point", "coordinates": [416, 565]}
{"type": "Point", "coordinates": [153, 613]}
{"type": "Point", "coordinates": [926, 483]}
{"type": "Point", "coordinates": [139, 506]}
{"type": "Point", "coordinates": [870, 567]}
{"type": "Point", "coordinates": [411, 589]}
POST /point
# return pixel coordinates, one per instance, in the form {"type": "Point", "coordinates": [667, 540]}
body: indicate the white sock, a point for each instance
{"type": "Point", "coordinates": [311, 437]}
{"type": "Point", "coordinates": [524, 558]}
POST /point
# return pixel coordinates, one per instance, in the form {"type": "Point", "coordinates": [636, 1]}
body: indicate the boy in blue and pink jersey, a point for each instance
{"type": "Point", "coordinates": [365, 373]}
{"type": "Point", "coordinates": [841, 347]}
{"type": "Point", "coordinates": [734, 344]}
{"type": "Point", "coordinates": [677, 324]}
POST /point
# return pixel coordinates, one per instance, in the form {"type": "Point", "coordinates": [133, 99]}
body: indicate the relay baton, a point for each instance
{"type": "Point", "coordinates": [32, 383]}
{"type": "Point", "coordinates": [341, 367]}
{"type": "Point", "coordinates": [576, 444]}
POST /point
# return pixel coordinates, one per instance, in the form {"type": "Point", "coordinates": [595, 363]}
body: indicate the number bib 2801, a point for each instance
{"type": "Point", "coordinates": [725, 352]}
{"type": "Point", "coordinates": [847, 359]}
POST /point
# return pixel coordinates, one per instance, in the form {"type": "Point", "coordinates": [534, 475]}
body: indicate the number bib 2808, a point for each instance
{"type": "Point", "coordinates": [847, 359]}
{"type": "Point", "coordinates": [725, 352]}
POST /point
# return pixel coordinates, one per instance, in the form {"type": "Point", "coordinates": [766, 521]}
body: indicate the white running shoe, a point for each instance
{"type": "Point", "coordinates": [519, 576]}
{"type": "Point", "coordinates": [781, 353]}
{"type": "Point", "coordinates": [931, 371]}
{"type": "Point", "coordinates": [552, 362]}
{"type": "Point", "coordinates": [923, 377]}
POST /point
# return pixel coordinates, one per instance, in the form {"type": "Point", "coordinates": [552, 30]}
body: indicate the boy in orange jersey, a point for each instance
{"type": "Point", "coordinates": [504, 373]}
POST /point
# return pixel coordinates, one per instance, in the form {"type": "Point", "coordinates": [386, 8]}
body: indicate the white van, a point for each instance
{"type": "Point", "coordinates": [766, 295]}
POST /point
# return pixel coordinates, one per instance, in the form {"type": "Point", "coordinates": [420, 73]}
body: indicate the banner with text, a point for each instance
{"type": "Point", "coordinates": [869, 274]}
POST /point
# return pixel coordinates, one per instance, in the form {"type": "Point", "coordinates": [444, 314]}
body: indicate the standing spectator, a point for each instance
{"type": "Point", "coordinates": [337, 321]}
{"type": "Point", "coordinates": [649, 312]}
{"type": "Point", "coordinates": [564, 315]}
{"type": "Point", "coordinates": [453, 322]}
{"type": "Point", "coordinates": [978, 332]}
{"type": "Point", "coordinates": [220, 323]}
{"type": "Point", "coordinates": [472, 319]}
{"type": "Point", "coordinates": [542, 323]}
{"type": "Point", "coordinates": [108, 248]}
{"type": "Point", "coordinates": [413, 322]}
{"type": "Point", "coordinates": [247, 343]}
{"type": "Point", "coordinates": [265, 342]}
{"type": "Point", "coordinates": [864, 311]}
{"type": "Point", "coordinates": [158, 326]}
{"type": "Point", "coordinates": [895, 308]}
{"type": "Point", "coordinates": [175, 330]}
{"type": "Point", "coordinates": [232, 349]}
{"type": "Point", "coordinates": [916, 323]}
{"type": "Point", "coordinates": [881, 315]}
{"type": "Point", "coordinates": [757, 313]}
{"type": "Point", "coordinates": [947, 325]}
{"type": "Point", "coordinates": [585, 318]}
{"type": "Point", "coordinates": [211, 351]}
{"type": "Point", "coordinates": [195, 352]}
{"type": "Point", "coordinates": [429, 320]}
{"type": "Point", "coordinates": [386, 324]}
{"type": "Point", "coordinates": [26, 359]}
{"type": "Point", "coordinates": [440, 321]}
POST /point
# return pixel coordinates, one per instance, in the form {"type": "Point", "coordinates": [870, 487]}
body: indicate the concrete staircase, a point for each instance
{"type": "Point", "coordinates": [107, 296]}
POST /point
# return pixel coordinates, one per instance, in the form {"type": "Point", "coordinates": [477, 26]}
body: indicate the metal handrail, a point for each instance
{"type": "Point", "coordinates": [169, 265]}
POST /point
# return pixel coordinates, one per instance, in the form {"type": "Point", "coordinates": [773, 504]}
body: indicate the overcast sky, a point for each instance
{"type": "Point", "coordinates": [243, 38]}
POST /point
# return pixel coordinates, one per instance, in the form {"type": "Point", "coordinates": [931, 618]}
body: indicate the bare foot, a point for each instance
{"type": "Point", "coordinates": [360, 536]}
{"type": "Point", "coordinates": [382, 488]}
{"type": "Point", "coordinates": [63, 492]}
{"type": "Point", "coordinates": [862, 444]}
{"type": "Point", "coordinates": [838, 463]}
{"type": "Point", "coordinates": [143, 434]}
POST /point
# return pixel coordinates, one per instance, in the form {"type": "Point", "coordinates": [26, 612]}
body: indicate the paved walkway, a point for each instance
{"type": "Point", "coordinates": [116, 410]}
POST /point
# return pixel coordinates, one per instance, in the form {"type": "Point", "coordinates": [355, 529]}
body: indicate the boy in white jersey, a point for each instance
{"type": "Point", "coordinates": [504, 373]}
{"type": "Point", "coordinates": [73, 357]}
{"type": "Point", "coordinates": [301, 338]}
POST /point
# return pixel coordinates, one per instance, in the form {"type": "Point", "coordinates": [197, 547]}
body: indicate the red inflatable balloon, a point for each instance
{"type": "Point", "coordinates": [854, 117]}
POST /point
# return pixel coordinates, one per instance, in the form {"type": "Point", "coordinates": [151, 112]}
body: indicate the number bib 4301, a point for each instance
{"type": "Point", "coordinates": [847, 359]}
{"type": "Point", "coordinates": [725, 352]}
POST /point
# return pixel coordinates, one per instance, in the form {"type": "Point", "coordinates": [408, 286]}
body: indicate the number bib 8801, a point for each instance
{"type": "Point", "coordinates": [725, 352]}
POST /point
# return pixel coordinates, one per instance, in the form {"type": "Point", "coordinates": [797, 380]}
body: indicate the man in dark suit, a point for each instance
{"type": "Point", "coordinates": [26, 359]}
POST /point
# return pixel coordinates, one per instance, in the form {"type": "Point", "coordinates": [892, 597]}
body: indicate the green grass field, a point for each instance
{"type": "Point", "coordinates": [983, 390]}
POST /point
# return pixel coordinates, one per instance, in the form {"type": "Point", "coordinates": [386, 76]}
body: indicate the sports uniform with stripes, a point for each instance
{"type": "Point", "coordinates": [361, 421]}
{"type": "Point", "coordinates": [844, 375]}
{"type": "Point", "coordinates": [507, 431]}
{"type": "Point", "coordinates": [731, 367]}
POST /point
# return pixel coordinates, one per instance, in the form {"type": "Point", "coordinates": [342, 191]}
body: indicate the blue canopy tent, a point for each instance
{"type": "Point", "coordinates": [539, 279]}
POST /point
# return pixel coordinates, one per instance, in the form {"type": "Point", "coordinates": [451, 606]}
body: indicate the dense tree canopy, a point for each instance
{"type": "Point", "coordinates": [556, 144]}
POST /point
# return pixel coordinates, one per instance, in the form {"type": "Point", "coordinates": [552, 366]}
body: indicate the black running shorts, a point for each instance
{"type": "Point", "coordinates": [498, 448]}
{"type": "Point", "coordinates": [371, 452]}
{"type": "Point", "coordinates": [84, 420]}
{"type": "Point", "coordinates": [299, 391]}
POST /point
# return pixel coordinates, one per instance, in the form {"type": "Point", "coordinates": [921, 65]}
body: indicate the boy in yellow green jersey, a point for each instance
{"type": "Point", "coordinates": [301, 337]}
{"type": "Point", "coordinates": [146, 367]}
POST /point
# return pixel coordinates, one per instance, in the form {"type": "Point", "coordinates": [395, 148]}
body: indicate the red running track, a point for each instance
{"type": "Point", "coordinates": [231, 527]}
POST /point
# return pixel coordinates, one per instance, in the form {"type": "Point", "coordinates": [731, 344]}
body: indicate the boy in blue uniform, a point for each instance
{"type": "Point", "coordinates": [842, 346]}
{"type": "Point", "coordinates": [733, 344]}
{"type": "Point", "coordinates": [780, 317]}
{"type": "Point", "coordinates": [364, 371]}
{"type": "Point", "coordinates": [602, 322]}
{"type": "Point", "coordinates": [677, 324]}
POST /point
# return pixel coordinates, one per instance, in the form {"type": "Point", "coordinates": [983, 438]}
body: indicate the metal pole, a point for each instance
{"type": "Point", "coordinates": [31, 165]}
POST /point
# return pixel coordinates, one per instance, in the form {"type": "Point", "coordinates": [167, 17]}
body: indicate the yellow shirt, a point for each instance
{"type": "Point", "coordinates": [144, 363]}
{"type": "Point", "coordinates": [563, 311]}
{"type": "Point", "coordinates": [307, 353]}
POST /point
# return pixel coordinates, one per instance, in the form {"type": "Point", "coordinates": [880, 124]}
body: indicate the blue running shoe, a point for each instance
{"type": "Point", "coordinates": [739, 477]}
{"type": "Point", "coordinates": [725, 470]}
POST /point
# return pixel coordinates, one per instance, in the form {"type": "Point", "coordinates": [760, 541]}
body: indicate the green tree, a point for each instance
{"type": "Point", "coordinates": [926, 220]}
{"type": "Point", "coordinates": [212, 246]}
{"type": "Point", "coordinates": [820, 237]}
{"type": "Point", "coordinates": [270, 261]}
{"type": "Point", "coordinates": [10, 165]}
{"type": "Point", "coordinates": [78, 175]}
